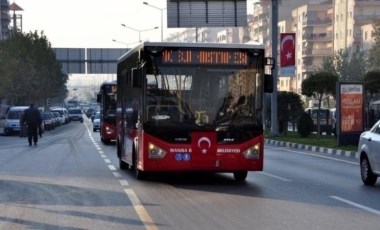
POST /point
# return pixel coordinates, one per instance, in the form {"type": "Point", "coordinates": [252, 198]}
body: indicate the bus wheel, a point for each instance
{"type": "Point", "coordinates": [123, 165]}
{"type": "Point", "coordinates": [240, 175]}
{"type": "Point", "coordinates": [140, 175]}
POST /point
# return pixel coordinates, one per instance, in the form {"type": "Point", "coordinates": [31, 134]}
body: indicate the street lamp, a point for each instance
{"type": "Point", "coordinates": [162, 17]}
{"type": "Point", "coordinates": [127, 44]}
{"type": "Point", "coordinates": [139, 31]}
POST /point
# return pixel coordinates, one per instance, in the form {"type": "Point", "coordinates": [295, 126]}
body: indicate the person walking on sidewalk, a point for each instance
{"type": "Point", "coordinates": [32, 118]}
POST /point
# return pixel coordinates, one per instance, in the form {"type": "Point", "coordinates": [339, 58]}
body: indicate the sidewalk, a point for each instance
{"type": "Point", "coordinates": [335, 152]}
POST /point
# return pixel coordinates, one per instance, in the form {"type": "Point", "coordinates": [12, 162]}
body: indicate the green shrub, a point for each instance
{"type": "Point", "coordinates": [304, 125]}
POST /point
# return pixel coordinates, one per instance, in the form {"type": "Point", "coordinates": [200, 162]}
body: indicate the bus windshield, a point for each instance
{"type": "Point", "coordinates": [204, 98]}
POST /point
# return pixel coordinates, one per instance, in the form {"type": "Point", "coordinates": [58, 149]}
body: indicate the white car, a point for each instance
{"type": "Point", "coordinates": [96, 122]}
{"type": "Point", "coordinates": [369, 154]}
{"type": "Point", "coordinates": [10, 123]}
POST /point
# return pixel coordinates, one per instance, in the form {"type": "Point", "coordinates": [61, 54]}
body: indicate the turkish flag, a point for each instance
{"type": "Point", "coordinates": [287, 49]}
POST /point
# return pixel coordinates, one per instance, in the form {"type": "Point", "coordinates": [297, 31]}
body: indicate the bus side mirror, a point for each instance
{"type": "Point", "coordinates": [268, 78]}
{"type": "Point", "coordinates": [268, 83]}
{"type": "Point", "coordinates": [137, 78]}
{"type": "Point", "coordinates": [98, 98]}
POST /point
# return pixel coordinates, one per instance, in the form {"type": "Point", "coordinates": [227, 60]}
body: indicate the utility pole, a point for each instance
{"type": "Point", "coordinates": [274, 119]}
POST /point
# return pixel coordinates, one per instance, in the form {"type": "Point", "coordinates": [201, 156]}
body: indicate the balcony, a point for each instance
{"type": "Point", "coordinates": [317, 52]}
{"type": "Point", "coordinates": [317, 22]}
{"type": "Point", "coordinates": [317, 37]}
{"type": "Point", "coordinates": [308, 68]}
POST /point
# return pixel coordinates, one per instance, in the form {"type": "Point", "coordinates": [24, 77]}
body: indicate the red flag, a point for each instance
{"type": "Point", "coordinates": [288, 48]}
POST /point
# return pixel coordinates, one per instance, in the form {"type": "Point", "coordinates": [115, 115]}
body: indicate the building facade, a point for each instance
{"type": "Point", "coordinates": [4, 19]}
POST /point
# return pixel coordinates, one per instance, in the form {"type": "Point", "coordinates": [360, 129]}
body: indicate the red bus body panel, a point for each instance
{"type": "Point", "coordinates": [190, 157]}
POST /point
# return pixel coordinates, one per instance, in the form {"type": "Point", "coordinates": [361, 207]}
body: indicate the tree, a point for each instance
{"type": "Point", "coordinates": [291, 107]}
{"type": "Point", "coordinates": [373, 60]}
{"type": "Point", "coordinates": [304, 124]}
{"type": "Point", "coordinates": [328, 65]}
{"type": "Point", "coordinates": [371, 81]}
{"type": "Point", "coordinates": [29, 70]}
{"type": "Point", "coordinates": [348, 66]}
{"type": "Point", "coordinates": [319, 84]}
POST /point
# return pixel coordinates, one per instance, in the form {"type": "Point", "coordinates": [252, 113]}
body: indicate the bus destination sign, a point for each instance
{"type": "Point", "coordinates": [200, 56]}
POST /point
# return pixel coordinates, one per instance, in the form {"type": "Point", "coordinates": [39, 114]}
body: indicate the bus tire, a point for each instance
{"type": "Point", "coordinates": [123, 165]}
{"type": "Point", "coordinates": [140, 175]}
{"type": "Point", "coordinates": [240, 175]}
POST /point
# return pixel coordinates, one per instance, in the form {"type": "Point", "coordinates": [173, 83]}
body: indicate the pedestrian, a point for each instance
{"type": "Point", "coordinates": [32, 118]}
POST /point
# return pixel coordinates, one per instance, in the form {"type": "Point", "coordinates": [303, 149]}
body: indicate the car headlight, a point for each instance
{"type": "Point", "coordinates": [252, 152]}
{"type": "Point", "coordinates": [156, 152]}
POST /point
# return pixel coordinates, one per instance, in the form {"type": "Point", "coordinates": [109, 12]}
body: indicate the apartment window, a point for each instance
{"type": "Point", "coordinates": [366, 35]}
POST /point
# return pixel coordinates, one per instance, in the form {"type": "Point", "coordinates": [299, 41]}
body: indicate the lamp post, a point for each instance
{"type": "Point", "coordinates": [139, 31]}
{"type": "Point", "coordinates": [162, 17]}
{"type": "Point", "coordinates": [127, 44]}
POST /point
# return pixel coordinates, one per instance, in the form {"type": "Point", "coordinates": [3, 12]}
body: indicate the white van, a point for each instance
{"type": "Point", "coordinates": [10, 123]}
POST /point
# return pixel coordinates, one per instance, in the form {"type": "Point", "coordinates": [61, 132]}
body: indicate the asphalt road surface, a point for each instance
{"type": "Point", "coordinates": [72, 181]}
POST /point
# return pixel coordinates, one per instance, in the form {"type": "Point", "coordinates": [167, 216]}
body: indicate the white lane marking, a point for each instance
{"type": "Point", "coordinates": [117, 174]}
{"type": "Point", "coordinates": [368, 209]}
{"type": "Point", "coordinates": [314, 155]}
{"type": "Point", "coordinates": [107, 161]}
{"type": "Point", "coordinates": [141, 211]}
{"type": "Point", "coordinates": [139, 208]}
{"type": "Point", "coordinates": [111, 167]}
{"type": "Point", "coordinates": [274, 176]}
{"type": "Point", "coordinates": [124, 182]}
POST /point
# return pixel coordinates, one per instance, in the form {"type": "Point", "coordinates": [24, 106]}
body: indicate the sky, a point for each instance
{"type": "Point", "coordinates": [94, 23]}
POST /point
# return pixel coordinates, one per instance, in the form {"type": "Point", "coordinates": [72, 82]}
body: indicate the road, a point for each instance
{"type": "Point", "coordinates": [72, 181]}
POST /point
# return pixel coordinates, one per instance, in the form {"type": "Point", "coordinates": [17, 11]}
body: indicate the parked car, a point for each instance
{"type": "Point", "coordinates": [76, 114]}
{"type": "Point", "coordinates": [96, 122]}
{"type": "Point", "coordinates": [63, 114]}
{"type": "Point", "coordinates": [11, 121]}
{"type": "Point", "coordinates": [369, 154]}
{"type": "Point", "coordinates": [57, 118]}
{"type": "Point", "coordinates": [48, 120]}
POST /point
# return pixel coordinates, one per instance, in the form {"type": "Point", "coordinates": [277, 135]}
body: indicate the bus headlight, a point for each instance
{"type": "Point", "coordinates": [155, 152]}
{"type": "Point", "coordinates": [252, 152]}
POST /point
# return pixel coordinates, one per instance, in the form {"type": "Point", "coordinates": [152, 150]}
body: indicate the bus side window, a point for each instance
{"type": "Point", "coordinates": [137, 78]}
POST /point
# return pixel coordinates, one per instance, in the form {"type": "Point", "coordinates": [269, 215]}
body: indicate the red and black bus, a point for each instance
{"type": "Point", "coordinates": [191, 107]}
{"type": "Point", "coordinates": [107, 100]}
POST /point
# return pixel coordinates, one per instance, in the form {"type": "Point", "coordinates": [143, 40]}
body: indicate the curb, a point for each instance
{"type": "Point", "coordinates": [335, 152]}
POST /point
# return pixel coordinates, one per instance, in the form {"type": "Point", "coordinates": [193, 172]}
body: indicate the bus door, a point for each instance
{"type": "Point", "coordinates": [204, 147]}
{"type": "Point", "coordinates": [128, 136]}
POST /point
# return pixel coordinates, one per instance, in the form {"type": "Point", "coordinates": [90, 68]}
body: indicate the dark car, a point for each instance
{"type": "Point", "coordinates": [90, 111]}
{"type": "Point", "coordinates": [48, 120]}
{"type": "Point", "coordinates": [75, 114]}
